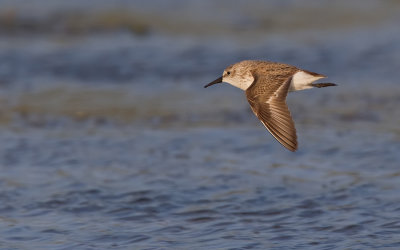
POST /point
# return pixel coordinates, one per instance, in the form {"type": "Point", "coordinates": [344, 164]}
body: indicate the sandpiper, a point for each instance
{"type": "Point", "coordinates": [266, 85]}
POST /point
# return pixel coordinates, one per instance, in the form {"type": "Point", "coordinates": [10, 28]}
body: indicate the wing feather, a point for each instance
{"type": "Point", "coordinates": [270, 107]}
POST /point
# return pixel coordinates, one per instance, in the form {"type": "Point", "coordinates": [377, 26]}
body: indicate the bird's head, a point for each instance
{"type": "Point", "coordinates": [238, 75]}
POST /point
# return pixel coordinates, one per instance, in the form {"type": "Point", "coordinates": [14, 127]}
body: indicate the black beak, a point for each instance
{"type": "Point", "coordinates": [214, 82]}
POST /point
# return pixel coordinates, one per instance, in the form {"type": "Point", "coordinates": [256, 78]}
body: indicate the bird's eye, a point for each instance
{"type": "Point", "coordinates": [228, 73]}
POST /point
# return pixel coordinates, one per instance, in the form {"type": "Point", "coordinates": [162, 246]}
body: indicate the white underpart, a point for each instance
{"type": "Point", "coordinates": [302, 80]}
{"type": "Point", "coordinates": [241, 83]}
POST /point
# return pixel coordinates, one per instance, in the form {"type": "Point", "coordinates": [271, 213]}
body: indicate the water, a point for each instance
{"type": "Point", "coordinates": [110, 141]}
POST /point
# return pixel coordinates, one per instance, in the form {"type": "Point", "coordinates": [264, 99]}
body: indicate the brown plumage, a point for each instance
{"type": "Point", "coordinates": [269, 105]}
{"type": "Point", "coordinates": [266, 85]}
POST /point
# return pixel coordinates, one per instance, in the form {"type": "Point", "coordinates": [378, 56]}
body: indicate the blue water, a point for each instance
{"type": "Point", "coordinates": [110, 141]}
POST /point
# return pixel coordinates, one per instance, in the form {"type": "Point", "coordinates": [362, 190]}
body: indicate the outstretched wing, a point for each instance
{"type": "Point", "coordinates": [268, 102]}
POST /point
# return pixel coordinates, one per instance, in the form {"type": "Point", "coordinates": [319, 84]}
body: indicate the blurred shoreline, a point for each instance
{"type": "Point", "coordinates": [208, 18]}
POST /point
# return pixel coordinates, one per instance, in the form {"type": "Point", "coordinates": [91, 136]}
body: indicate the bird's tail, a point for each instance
{"type": "Point", "coordinates": [323, 85]}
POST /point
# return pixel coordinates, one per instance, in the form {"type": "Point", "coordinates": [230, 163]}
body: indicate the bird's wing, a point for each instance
{"type": "Point", "coordinates": [268, 102]}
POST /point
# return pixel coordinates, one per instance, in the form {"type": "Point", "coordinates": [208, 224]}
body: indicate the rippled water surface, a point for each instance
{"type": "Point", "coordinates": [110, 141]}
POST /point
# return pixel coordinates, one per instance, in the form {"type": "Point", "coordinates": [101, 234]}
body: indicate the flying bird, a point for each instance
{"type": "Point", "coordinates": [266, 85]}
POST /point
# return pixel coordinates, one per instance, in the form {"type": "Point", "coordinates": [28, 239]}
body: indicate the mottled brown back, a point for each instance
{"type": "Point", "coordinates": [273, 75]}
